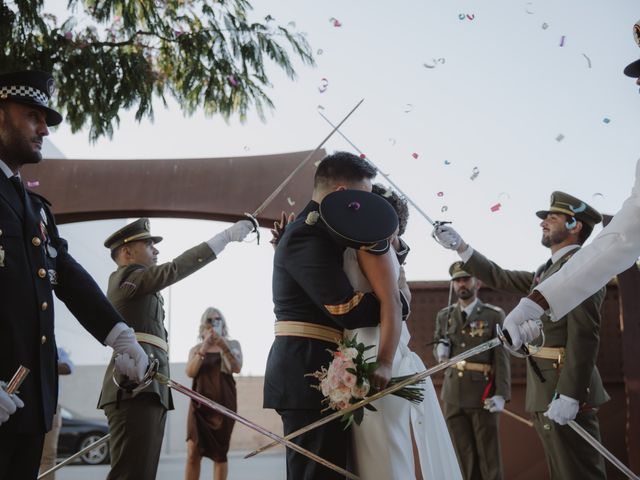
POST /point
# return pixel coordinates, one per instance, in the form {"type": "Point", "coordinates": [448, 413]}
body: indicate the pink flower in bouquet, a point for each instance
{"type": "Point", "coordinates": [360, 391]}
{"type": "Point", "coordinates": [349, 379]}
{"type": "Point", "coordinates": [350, 353]}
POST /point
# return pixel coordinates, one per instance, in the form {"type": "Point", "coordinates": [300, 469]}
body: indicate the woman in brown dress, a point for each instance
{"type": "Point", "coordinates": [212, 363]}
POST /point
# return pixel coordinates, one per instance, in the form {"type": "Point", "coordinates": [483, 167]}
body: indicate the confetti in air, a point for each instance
{"type": "Point", "coordinates": [290, 201]}
{"type": "Point", "coordinates": [415, 155]}
{"type": "Point", "coordinates": [34, 183]}
{"type": "Point", "coordinates": [588, 60]}
{"type": "Point", "coordinates": [496, 207]}
{"type": "Point", "coordinates": [560, 137]}
{"type": "Point", "coordinates": [562, 40]}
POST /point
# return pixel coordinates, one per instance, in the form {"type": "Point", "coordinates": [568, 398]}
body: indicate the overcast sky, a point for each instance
{"type": "Point", "coordinates": [531, 94]}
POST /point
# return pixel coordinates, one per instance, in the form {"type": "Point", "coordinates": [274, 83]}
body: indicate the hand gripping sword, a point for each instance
{"type": "Point", "coordinates": [153, 374]}
{"type": "Point", "coordinates": [483, 347]}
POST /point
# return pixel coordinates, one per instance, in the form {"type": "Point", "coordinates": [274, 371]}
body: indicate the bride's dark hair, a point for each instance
{"type": "Point", "coordinates": [398, 203]}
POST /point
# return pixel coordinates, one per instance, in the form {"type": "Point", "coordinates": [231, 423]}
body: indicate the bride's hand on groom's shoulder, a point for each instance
{"type": "Point", "coordinates": [381, 376]}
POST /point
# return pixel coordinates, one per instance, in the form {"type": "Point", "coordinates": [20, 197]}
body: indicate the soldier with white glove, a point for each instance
{"type": "Point", "coordinates": [137, 419]}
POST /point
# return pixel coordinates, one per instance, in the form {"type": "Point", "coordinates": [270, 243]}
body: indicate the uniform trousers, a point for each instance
{"type": "Point", "coordinates": [330, 441]}
{"type": "Point", "coordinates": [137, 429]}
{"type": "Point", "coordinates": [568, 456]}
{"type": "Point", "coordinates": [50, 447]}
{"type": "Point", "coordinates": [20, 455]}
{"type": "Point", "coordinates": [476, 440]}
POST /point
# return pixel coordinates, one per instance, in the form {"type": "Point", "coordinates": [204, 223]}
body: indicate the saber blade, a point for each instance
{"type": "Point", "coordinates": [248, 423]}
{"type": "Point", "coordinates": [483, 347]}
{"type": "Point", "coordinates": [517, 417]}
{"type": "Point", "coordinates": [386, 177]}
{"type": "Point", "coordinates": [284, 183]}
{"type": "Point", "coordinates": [17, 379]}
{"type": "Point", "coordinates": [602, 450]}
{"type": "Point", "coordinates": [70, 459]}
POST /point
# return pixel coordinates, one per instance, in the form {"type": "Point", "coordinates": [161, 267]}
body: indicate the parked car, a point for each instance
{"type": "Point", "coordinates": [78, 432]}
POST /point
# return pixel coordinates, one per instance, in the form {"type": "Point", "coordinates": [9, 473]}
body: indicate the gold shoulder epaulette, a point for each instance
{"type": "Point", "coordinates": [312, 218]}
{"type": "Point", "coordinates": [493, 307]}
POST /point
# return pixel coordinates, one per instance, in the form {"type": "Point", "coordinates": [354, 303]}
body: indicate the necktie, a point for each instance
{"type": "Point", "coordinates": [464, 316]}
{"type": "Point", "coordinates": [17, 184]}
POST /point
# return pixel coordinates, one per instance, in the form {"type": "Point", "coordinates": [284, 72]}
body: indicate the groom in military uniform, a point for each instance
{"type": "Point", "coordinates": [474, 391]}
{"type": "Point", "coordinates": [314, 301]}
{"type": "Point", "coordinates": [572, 387]}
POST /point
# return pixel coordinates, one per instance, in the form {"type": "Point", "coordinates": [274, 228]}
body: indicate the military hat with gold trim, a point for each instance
{"type": "Point", "coordinates": [30, 87]}
{"type": "Point", "coordinates": [633, 69]}
{"type": "Point", "coordinates": [456, 271]}
{"type": "Point", "coordinates": [138, 230]}
{"type": "Point", "coordinates": [573, 207]}
{"type": "Point", "coordinates": [359, 219]}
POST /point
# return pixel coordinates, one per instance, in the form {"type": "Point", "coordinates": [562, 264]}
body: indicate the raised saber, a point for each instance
{"type": "Point", "coordinates": [70, 459]}
{"type": "Point", "coordinates": [393, 184]}
{"type": "Point", "coordinates": [152, 373]}
{"type": "Point", "coordinates": [284, 183]}
{"type": "Point", "coordinates": [483, 347]}
{"type": "Point", "coordinates": [517, 417]}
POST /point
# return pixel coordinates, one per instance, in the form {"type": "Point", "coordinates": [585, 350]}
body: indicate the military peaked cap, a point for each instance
{"type": "Point", "coordinates": [30, 87]}
{"type": "Point", "coordinates": [456, 271]}
{"type": "Point", "coordinates": [359, 219]}
{"type": "Point", "coordinates": [569, 205]}
{"type": "Point", "coordinates": [138, 230]}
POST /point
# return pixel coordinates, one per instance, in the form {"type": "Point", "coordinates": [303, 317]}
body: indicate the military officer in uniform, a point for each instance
{"type": "Point", "coordinates": [572, 387]}
{"type": "Point", "coordinates": [474, 391]}
{"type": "Point", "coordinates": [313, 302]}
{"type": "Point", "coordinates": [136, 421]}
{"type": "Point", "coordinates": [35, 263]}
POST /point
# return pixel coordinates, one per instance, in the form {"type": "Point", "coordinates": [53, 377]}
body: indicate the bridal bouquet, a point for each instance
{"type": "Point", "coordinates": [346, 381]}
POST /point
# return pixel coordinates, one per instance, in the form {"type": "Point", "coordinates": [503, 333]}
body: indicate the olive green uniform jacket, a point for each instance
{"type": "Point", "coordinates": [134, 290]}
{"type": "Point", "coordinates": [466, 389]}
{"type": "Point", "coordinates": [577, 332]}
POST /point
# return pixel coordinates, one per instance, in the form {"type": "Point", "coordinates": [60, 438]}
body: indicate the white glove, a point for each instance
{"type": "Point", "coordinates": [235, 233]}
{"type": "Point", "coordinates": [131, 360]}
{"type": "Point", "coordinates": [446, 236]}
{"type": "Point", "coordinates": [8, 404]}
{"type": "Point", "coordinates": [494, 404]}
{"type": "Point", "coordinates": [523, 319]}
{"type": "Point", "coordinates": [562, 409]}
{"type": "Point", "coordinates": [442, 351]}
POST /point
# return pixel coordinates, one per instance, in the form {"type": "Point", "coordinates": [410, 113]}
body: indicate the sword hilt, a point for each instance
{"type": "Point", "coordinates": [525, 351]}
{"type": "Point", "coordinates": [256, 225]}
{"type": "Point", "coordinates": [132, 387]}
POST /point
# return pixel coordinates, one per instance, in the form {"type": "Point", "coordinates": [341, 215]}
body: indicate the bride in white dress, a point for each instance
{"type": "Point", "coordinates": [383, 446]}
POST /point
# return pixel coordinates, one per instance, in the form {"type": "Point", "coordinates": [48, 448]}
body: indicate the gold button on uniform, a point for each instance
{"type": "Point", "coordinates": [460, 374]}
{"type": "Point", "coordinates": [463, 344]}
{"type": "Point", "coordinates": [43, 339]}
{"type": "Point", "coordinates": [42, 273]}
{"type": "Point", "coordinates": [35, 241]}
{"type": "Point", "coordinates": [0, 232]}
{"type": "Point", "coordinates": [44, 306]}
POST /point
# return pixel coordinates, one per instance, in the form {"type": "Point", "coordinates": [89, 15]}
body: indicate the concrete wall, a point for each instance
{"type": "Point", "coordinates": [80, 394]}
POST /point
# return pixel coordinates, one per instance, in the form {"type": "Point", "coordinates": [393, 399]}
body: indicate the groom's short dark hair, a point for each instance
{"type": "Point", "coordinates": [345, 167]}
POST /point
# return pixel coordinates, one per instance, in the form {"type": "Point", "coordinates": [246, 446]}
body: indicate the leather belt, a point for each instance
{"type": "Point", "coordinates": [551, 353]}
{"type": "Point", "coordinates": [153, 340]}
{"type": "Point", "coordinates": [290, 328]}
{"type": "Point", "coordinates": [484, 368]}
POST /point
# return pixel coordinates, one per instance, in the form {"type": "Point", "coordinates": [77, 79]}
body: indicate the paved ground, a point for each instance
{"type": "Point", "coordinates": [266, 466]}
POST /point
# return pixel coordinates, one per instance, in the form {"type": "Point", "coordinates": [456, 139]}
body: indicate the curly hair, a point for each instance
{"type": "Point", "coordinates": [398, 203]}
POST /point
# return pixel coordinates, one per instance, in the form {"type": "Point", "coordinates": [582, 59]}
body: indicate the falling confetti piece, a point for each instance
{"type": "Point", "coordinates": [392, 140]}
{"type": "Point", "coordinates": [335, 22]}
{"type": "Point", "coordinates": [246, 148]}
{"type": "Point", "coordinates": [415, 155]}
{"type": "Point", "coordinates": [526, 8]}
{"type": "Point", "coordinates": [292, 24]}
{"type": "Point", "coordinates": [559, 138]}
{"type": "Point", "coordinates": [471, 17]}
{"type": "Point", "coordinates": [387, 193]}
{"type": "Point", "coordinates": [462, 16]}
{"type": "Point", "coordinates": [562, 40]}
{"type": "Point", "coordinates": [408, 107]}
{"type": "Point", "coordinates": [474, 173]}
{"type": "Point", "coordinates": [232, 81]}
{"type": "Point", "coordinates": [291, 202]}
{"type": "Point", "coordinates": [580, 208]}
{"type": "Point", "coordinates": [324, 84]}
{"type": "Point", "coordinates": [597, 196]}
{"type": "Point", "coordinates": [606, 120]}
{"type": "Point", "coordinates": [447, 162]}
{"type": "Point", "coordinates": [545, 26]}
{"type": "Point", "coordinates": [426, 65]}
{"type": "Point", "coordinates": [35, 183]}
{"type": "Point", "coordinates": [315, 164]}
{"type": "Point", "coordinates": [504, 196]}
{"type": "Point", "coordinates": [588, 60]}
{"type": "Point", "coordinates": [571, 224]}
{"type": "Point", "coordinates": [320, 107]}
{"type": "Point", "coordinates": [440, 194]}
{"type": "Point", "coordinates": [496, 207]}
{"type": "Point", "coordinates": [320, 51]}
{"type": "Point", "coordinates": [444, 208]}
{"type": "Point", "coordinates": [362, 155]}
